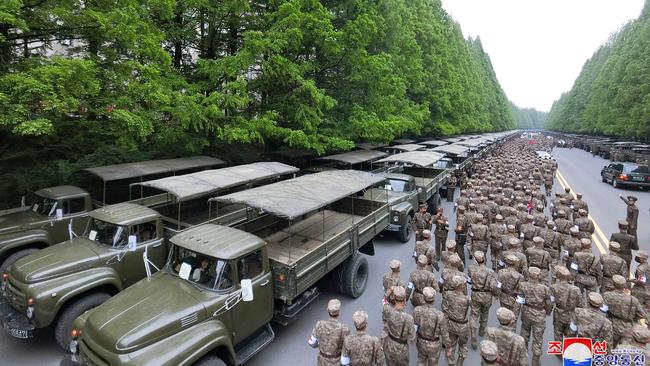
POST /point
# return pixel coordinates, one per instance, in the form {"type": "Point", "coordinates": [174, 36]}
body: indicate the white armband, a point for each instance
{"type": "Point", "coordinates": [565, 252]}
{"type": "Point", "coordinates": [573, 327]}
{"type": "Point", "coordinates": [345, 360]}
{"type": "Point", "coordinates": [521, 300]}
{"type": "Point", "coordinates": [441, 280]}
{"type": "Point", "coordinates": [574, 266]}
{"type": "Point", "coordinates": [415, 254]}
{"type": "Point", "coordinates": [416, 328]}
{"type": "Point", "coordinates": [313, 341]}
{"type": "Point", "coordinates": [456, 204]}
{"type": "Point", "coordinates": [410, 285]}
{"type": "Point", "coordinates": [501, 264]}
{"type": "Point", "coordinates": [642, 279]}
{"type": "Point", "coordinates": [468, 280]}
{"type": "Point", "coordinates": [521, 235]}
{"type": "Point", "coordinates": [552, 298]}
{"type": "Point", "coordinates": [604, 308]}
{"type": "Point", "coordinates": [498, 284]}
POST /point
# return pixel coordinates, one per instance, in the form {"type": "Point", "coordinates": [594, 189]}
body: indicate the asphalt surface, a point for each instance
{"type": "Point", "coordinates": [578, 168]}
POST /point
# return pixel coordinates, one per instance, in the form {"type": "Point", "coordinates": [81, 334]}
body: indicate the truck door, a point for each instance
{"type": "Point", "coordinates": [247, 317]}
{"type": "Point", "coordinates": [133, 269]}
{"type": "Point", "coordinates": [72, 209]}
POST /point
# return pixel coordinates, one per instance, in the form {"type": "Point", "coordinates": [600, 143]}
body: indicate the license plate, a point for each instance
{"type": "Point", "coordinates": [17, 333]}
{"type": "Point", "coordinates": [640, 179]}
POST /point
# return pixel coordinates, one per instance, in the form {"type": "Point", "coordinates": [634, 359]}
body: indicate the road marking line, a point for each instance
{"type": "Point", "coordinates": [594, 238]}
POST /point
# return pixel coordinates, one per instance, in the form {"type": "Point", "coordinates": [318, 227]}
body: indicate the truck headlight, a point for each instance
{"type": "Point", "coordinates": [395, 218]}
{"type": "Point", "coordinates": [5, 279]}
{"type": "Point", "coordinates": [29, 312]}
{"type": "Point", "coordinates": [74, 346]}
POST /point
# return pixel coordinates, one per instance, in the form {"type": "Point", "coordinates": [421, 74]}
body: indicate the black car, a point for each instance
{"type": "Point", "coordinates": [626, 174]}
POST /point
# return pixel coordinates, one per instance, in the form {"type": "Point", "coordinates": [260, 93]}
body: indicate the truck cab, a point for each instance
{"type": "Point", "coordinates": [43, 222]}
{"type": "Point", "coordinates": [57, 284]}
{"type": "Point", "coordinates": [401, 193]}
{"type": "Point", "coordinates": [191, 310]}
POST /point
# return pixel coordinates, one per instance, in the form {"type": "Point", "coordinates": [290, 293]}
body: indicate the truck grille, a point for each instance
{"type": "Point", "coordinates": [16, 297]}
{"type": "Point", "coordinates": [89, 358]}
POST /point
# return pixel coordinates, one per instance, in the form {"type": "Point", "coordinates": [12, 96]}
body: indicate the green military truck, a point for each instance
{"type": "Point", "coordinates": [57, 211]}
{"type": "Point", "coordinates": [459, 154]}
{"type": "Point", "coordinates": [213, 301]}
{"type": "Point", "coordinates": [57, 284]}
{"type": "Point", "coordinates": [424, 174]}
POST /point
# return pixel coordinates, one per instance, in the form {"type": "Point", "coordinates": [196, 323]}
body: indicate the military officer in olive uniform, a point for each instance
{"type": "Point", "coordinates": [632, 214]}
{"type": "Point", "coordinates": [328, 336]}
{"type": "Point", "coordinates": [432, 330]}
{"type": "Point", "coordinates": [362, 349]}
{"type": "Point", "coordinates": [441, 229]}
{"type": "Point", "coordinates": [422, 220]}
{"type": "Point", "coordinates": [399, 330]}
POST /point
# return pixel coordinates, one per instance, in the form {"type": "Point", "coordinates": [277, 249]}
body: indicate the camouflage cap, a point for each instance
{"type": "Point", "coordinates": [579, 195]}
{"type": "Point", "coordinates": [562, 200]}
{"type": "Point", "coordinates": [582, 211]}
{"type": "Point", "coordinates": [454, 260]}
{"type": "Point", "coordinates": [511, 227]}
{"type": "Point", "coordinates": [642, 254]}
{"type": "Point", "coordinates": [550, 223]}
{"type": "Point", "coordinates": [457, 281]}
{"type": "Point", "coordinates": [567, 189]}
{"type": "Point", "coordinates": [540, 207]}
{"type": "Point", "coordinates": [489, 350]}
{"type": "Point", "coordinates": [334, 306]}
{"type": "Point", "coordinates": [451, 244]}
{"type": "Point", "coordinates": [395, 264]}
{"type": "Point", "coordinates": [360, 319]}
{"type": "Point", "coordinates": [562, 272]}
{"type": "Point", "coordinates": [429, 294]}
{"type": "Point", "coordinates": [463, 191]}
{"type": "Point", "coordinates": [558, 194]}
{"type": "Point", "coordinates": [538, 240]}
{"type": "Point", "coordinates": [595, 299]}
{"type": "Point", "coordinates": [513, 242]}
{"type": "Point", "coordinates": [529, 217]}
{"type": "Point", "coordinates": [614, 246]}
{"type": "Point", "coordinates": [585, 243]}
{"type": "Point", "coordinates": [479, 256]}
{"type": "Point", "coordinates": [640, 333]}
{"type": "Point", "coordinates": [426, 233]}
{"type": "Point", "coordinates": [423, 260]}
{"type": "Point", "coordinates": [561, 213]}
{"type": "Point", "coordinates": [574, 230]}
{"type": "Point", "coordinates": [534, 272]}
{"type": "Point", "coordinates": [505, 316]}
{"type": "Point", "coordinates": [619, 281]}
{"type": "Point", "coordinates": [399, 293]}
{"type": "Point", "coordinates": [478, 217]}
{"type": "Point", "coordinates": [461, 208]}
{"type": "Point", "coordinates": [512, 259]}
{"type": "Point", "coordinates": [472, 205]}
{"type": "Point", "coordinates": [498, 217]}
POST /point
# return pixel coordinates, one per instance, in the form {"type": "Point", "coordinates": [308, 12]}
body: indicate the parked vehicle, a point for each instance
{"type": "Point", "coordinates": [621, 174]}
{"type": "Point", "coordinates": [191, 311]}
{"type": "Point", "coordinates": [57, 284]}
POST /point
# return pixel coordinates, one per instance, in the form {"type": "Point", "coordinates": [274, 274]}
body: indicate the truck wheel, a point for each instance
{"type": "Point", "coordinates": [615, 183]}
{"type": "Point", "coordinates": [210, 361]}
{"type": "Point", "coordinates": [405, 230]}
{"type": "Point", "coordinates": [72, 312]}
{"type": "Point", "coordinates": [354, 275]}
{"type": "Point", "coordinates": [14, 257]}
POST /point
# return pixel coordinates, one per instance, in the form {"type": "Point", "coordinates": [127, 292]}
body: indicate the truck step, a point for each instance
{"type": "Point", "coordinates": [287, 313]}
{"type": "Point", "coordinates": [255, 343]}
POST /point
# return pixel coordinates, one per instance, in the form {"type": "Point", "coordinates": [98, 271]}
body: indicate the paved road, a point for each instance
{"type": "Point", "coordinates": [578, 168]}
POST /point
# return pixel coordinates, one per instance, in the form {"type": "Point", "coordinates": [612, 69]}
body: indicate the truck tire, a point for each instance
{"type": "Point", "coordinates": [14, 257]}
{"type": "Point", "coordinates": [404, 234]}
{"type": "Point", "coordinates": [434, 202]}
{"type": "Point", "coordinates": [210, 361]}
{"type": "Point", "coordinates": [615, 183]}
{"type": "Point", "coordinates": [64, 323]}
{"type": "Point", "coordinates": [354, 275]}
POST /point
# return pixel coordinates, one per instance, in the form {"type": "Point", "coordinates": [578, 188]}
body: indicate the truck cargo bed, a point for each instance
{"type": "Point", "coordinates": [293, 243]}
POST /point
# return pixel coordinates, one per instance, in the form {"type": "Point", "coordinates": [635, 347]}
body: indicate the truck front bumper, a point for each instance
{"type": "Point", "coordinates": [15, 323]}
{"type": "Point", "coordinates": [70, 360]}
{"type": "Point", "coordinates": [394, 227]}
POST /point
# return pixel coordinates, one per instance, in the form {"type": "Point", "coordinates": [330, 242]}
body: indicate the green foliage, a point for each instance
{"type": "Point", "coordinates": [158, 78]}
{"type": "Point", "coordinates": [611, 95]}
{"type": "Point", "coordinates": [528, 117]}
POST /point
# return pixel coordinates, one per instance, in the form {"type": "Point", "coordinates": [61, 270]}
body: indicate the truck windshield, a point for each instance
{"type": "Point", "coordinates": [205, 271]}
{"type": "Point", "coordinates": [45, 206]}
{"type": "Point", "coordinates": [105, 233]}
{"type": "Point", "coordinates": [395, 185]}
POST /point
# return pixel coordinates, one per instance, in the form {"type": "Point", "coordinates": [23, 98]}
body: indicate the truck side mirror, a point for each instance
{"type": "Point", "coordinates": [59, 214]}
{"type": "Point", "coordinates": [246, 290]}
{"type": "Point", "coordinates": [133, 242]}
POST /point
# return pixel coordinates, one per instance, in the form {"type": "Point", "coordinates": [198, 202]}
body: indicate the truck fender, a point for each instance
{"type": "Point", "coordinates": [36, 238]}
{"type": "Point", "coordinates": [70, 287]}
{"type": "Point", "coordinates": [404, 208]}
{"type": "Point", "coordinates": [192, 343]}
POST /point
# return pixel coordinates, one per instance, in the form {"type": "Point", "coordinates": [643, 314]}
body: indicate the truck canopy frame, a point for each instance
{"type": "Point", "coordinates": [452, 149]}
{"type": "Point", "coordinates": [419, 158]}
{"type": "Point", "coordinates": [355, 157]}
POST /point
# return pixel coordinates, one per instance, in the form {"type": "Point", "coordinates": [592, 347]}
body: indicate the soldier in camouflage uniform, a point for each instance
{"type": "Point", "coordinates": [591, 322]}
{"type": "Point", "coordinates": [539, 217]}
{"type": "Point", "coordinates": [441, 229]}
{"type": "Point", "coordinates": [362, 349]}
{"type": "Point", "coordinates": [585, 225]}
{"type": "Point", "coordinates": [580, 204]}
{"type": "Point", "coordinates": [511, 220]}
{"type": "Point", "coordinates": [612, 265]}
{"type": "Point", "coordinates": [514, 248]}
{"type": "Point", "coordinates": [451, 249]}
{"type": "Point", "coordinates": [566, 298]}
{"type": "Point", "coordinates": [456, 307]}
{"type": "Point", "coordinates": [563, 225]}
{"type": "Point", "coordinates": [637, 341]}
{"type": "Point", "coordinates": [641, 279]}
{"type": "Point", "coordinates": [508, 280]}
{"type": "Point", "coordinates": [572, 244]}
{"type": "Point", "coordinates": [534, 302]}
{"type": "Point", "coordinates": [553, 241]}
{"type": "Point", "coordinates": [497, 230]}
{"type": "Point", "coordinates": [421, 246]}
{"type": "Point", "coordinates": [422, 220]}
{"type": "Point", "coordinates": [392, 279]}
{"type": "Point", "coordinates": [548, 182]}
{"type": "Point", "coordinates": [587, 270]}
{"type": "Point", "coordinates": [328, 336]}
{"type": "Point", "coordinates": [399, 330]}
{"type": "Point", "coordinates": [463, 200]}
{"type": "Point", "coordinates": [539, 258]}
{"type": "Point", "coordinates": [451, 188]}
{"type": "Point", "coordinates": [483, 282]}
{"type": "Point", "coordinates": [489, 353]}
{"type": "Point", "coordinates": [511, 346]}
{"type": "Point", "coordinates": [622, 309]}
{"type": "Point", "coordinates": [528, 232]}
{"type": "Point", "coordinates": [452, 269]}
{"type": "Point", "coordinates": [432, 330]}
{"type": "Point", "coordinates": [419, 279]}
{"type": "Point", "coordinates": [462, 225]}
{"type": "Point", "coordinates": [626, 241]}
{"type": "Point", "coordinates": [479, 235]}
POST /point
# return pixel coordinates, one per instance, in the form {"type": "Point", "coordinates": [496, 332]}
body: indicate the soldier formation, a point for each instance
{"type": "Point", "coordinates": [531, 253]}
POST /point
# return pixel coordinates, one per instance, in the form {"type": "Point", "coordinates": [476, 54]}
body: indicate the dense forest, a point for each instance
{"type": "Point", "coordinates": [612, 94]}
{"type": "Point", "coordinates": [94, 82]}
{"type": "Point", "coordinates": [528, 117]}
